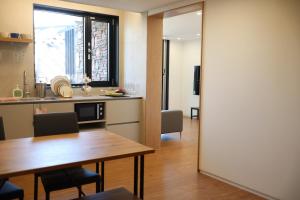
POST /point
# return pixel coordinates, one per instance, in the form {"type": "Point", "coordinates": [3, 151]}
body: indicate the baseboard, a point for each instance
{"type": "Point", "coordinates": [238, 185]}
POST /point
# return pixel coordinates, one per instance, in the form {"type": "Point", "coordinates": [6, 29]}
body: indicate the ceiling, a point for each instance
{"type": "Point", "coordinates": [183, 27]}
{"type": "Point", "coordinates": [130, 5]}
{"type": "Point", "coordinates": [174, 27]}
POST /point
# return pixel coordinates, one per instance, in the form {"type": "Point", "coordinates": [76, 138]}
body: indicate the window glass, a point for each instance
{"type": "Point", "coordinates": [59, 46]}
{"type": "Point", "coordinates": [100, 51]}
{"type": "Point", "coordinates": [75, 43]}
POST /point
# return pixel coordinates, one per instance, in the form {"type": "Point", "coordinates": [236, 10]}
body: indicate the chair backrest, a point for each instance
{"type": "Point", "coordinates": [171, 121]}
{"type": "Point", "coordinates": [2, 132]}
{"type": "Point", "coordinates": [2, 181]}
{"type": "Point", "coordinates": [2, 137]}
{"type": "Point", "coordinates": [55, 124]}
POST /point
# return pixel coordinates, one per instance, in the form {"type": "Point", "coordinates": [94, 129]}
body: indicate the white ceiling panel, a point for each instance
{"type": "Point", "coordinates": [183, 27]}
{"type": "Point", "coordinates": [130, 5]}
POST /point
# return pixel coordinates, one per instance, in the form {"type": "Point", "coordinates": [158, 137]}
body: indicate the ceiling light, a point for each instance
{"type": "Point", "coordinates": [178, 38]}
{"type": "Point", "coordinates": [198, 34]}
{"type": "Point", "coordinates": [199, 13]}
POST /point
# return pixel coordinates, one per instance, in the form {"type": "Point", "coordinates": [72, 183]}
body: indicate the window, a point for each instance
{"type": "Point", "coordinates": [73, 43]}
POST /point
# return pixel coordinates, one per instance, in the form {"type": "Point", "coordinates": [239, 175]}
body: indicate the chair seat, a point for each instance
{"type": "Point", "coordinates": [67, 178]}
{"type": "Point", "coordinates": [10, 191]}
{"type": "Point", "coordinates": [80, 176]}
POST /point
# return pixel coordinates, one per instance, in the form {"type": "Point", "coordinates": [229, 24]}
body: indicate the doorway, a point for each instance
{"type": "Point", "coordinates": [181, 63]}
{"type": "Point", "coordinates": [153, 103]}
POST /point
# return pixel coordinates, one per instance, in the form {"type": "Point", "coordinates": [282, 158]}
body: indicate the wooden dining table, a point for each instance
{"type": "Point", "coordinates": [39, 154]}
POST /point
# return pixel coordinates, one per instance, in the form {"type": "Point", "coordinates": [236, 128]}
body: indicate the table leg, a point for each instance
{"type": "Point", "coordinates": [136, 165]}
{"type": "Point", "coordinates": [102, 176]}
{"type": "Point", "coordinates": [97, 167]}
{"type": "Point", "coordinates": [142, 177]}
{"type": "Point", "coordinates": [36, 179]}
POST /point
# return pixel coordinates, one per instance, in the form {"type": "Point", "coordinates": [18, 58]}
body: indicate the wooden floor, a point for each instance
{"type": "Point", "coordinates": [170, 173]}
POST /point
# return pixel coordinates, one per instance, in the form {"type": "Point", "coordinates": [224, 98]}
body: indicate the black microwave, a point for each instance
{"type": "Point", "coordinates": [89, 112]}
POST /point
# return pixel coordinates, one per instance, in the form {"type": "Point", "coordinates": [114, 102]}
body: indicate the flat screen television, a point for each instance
{"type": "Point", "coordinates": [196, 89]}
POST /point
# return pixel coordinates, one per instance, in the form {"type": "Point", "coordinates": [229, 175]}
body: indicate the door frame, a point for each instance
{"type": "Point", "coordinates": [154, 92]}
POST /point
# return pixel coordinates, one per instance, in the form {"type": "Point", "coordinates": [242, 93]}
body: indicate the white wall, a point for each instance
{"type": "Point", "coordinates": [191, 57]}
{"type": "Point", "coordinates": [251, 95]}
{"type": "Point", "coordinates": [175, 75]}
{"type": "Point", "coordinates": [135, 51]}
{"type": "Point", "coordinates": [184, 55]}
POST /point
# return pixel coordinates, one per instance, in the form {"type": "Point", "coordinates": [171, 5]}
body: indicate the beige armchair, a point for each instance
{"type": "Point", "coordinates": [171, 121]}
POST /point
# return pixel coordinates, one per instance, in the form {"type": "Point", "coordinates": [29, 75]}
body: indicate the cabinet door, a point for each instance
{"type": "Point", "coordinates": [130, 130]}
{"type": "Point", "coordinates": [18, 120]}
{"type": "Point", "coordinates": [123, 111]}
{"type": "Point", "coordinates": [55, 107]}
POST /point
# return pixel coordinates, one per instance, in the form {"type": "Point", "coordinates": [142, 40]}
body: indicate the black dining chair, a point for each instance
{"type": "Point", "coordinates": [8, 190]}
{"type": "Point", "coordinates": [55, 124]}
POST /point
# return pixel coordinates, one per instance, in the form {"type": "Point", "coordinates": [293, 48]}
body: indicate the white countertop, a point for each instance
{"type": "Point", "coordinates": [37, 100]}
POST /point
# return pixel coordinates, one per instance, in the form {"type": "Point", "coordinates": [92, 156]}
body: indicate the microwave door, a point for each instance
{"type": "Point", "coordinates": [86, 112]}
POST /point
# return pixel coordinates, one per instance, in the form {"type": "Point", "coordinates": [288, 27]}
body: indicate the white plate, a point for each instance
{"type": "Point", "coordinates": [56, 80]}
{"type": "Point", "coordinates": [65, 91]}
{"type": "Point", "coordinates": [59, 83]}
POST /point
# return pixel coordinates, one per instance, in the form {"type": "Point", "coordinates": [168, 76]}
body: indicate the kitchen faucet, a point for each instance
{"type": "Point", "coordinates": [25, 85]}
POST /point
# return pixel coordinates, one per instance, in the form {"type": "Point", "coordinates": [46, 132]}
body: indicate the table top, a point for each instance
{"type": "Point", "coordinates": [38, 154]}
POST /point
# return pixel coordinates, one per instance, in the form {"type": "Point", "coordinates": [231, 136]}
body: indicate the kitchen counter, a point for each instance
{"type": "Point", "coordinates": [37, 100]}
{"type": "Point", "coordinates": [122, 115]}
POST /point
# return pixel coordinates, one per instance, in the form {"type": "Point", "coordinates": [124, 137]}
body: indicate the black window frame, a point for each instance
{"type": "Point", "coordinates": [113, 42]}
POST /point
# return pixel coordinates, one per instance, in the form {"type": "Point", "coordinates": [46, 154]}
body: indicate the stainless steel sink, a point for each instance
{"type": "Point", "coordinates": [30, 99]}
{"type": "Point", "coordinates": [37, 99]}
{"type": "Point", "coordinates": [50, 98]}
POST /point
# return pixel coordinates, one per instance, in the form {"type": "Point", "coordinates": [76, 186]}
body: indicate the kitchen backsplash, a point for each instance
{"type": "Point", "coordinates": [12, 57]}
{"type": "Point", "coordinates": [14, 60]}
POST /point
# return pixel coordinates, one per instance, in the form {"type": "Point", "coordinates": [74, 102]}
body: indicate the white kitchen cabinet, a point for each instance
{"type": "Point", "coordinates": [18, 120]}
{"type": "Point", "coordinates": [123, 111]}
{"type": "Point", "coordinates": [129, 130]}
{"type": "Point", "coordinates": [55, 107]}
{"type": "Point", "coordinates": [124, 117]}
